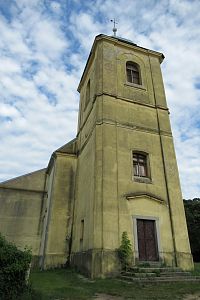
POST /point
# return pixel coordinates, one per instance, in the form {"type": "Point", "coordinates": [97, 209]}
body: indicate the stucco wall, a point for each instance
{"type": "Point", "coordinates": [57, 224]}
{"type": "Point", "coordinates": [21, 202]}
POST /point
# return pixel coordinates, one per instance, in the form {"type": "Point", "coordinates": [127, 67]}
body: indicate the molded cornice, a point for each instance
{"type": "Point", "coordinates": [135, 196]}
{"type": "Point", "coordinates": [116, 41]}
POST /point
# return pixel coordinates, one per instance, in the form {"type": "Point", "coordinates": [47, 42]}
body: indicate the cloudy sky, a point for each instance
{"type": "Point", "coordinates": [44, 45]}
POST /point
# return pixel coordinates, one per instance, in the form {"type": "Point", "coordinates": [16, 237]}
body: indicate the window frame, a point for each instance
{"type": "Point", "coordinates": [139, 165]}
{"type": "Point", "coordinates": [139, 178]}
{"type": "Point", "coordinates": [137, 66]}
{"type": "Point", "coordinates": [82, 231]}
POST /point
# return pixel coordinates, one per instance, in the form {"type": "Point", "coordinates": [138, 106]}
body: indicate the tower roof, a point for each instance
{"type": "Point", "coordinates": [120, 41]}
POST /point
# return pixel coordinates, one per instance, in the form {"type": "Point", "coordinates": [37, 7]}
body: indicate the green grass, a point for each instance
{"type": "Point", "coordinates": [62, 284]}
{"type": "Point", "coordinates": [196, 269]}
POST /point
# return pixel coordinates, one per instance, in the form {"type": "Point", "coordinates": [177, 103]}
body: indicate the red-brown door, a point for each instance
{"type": "Point", "coordinates": [147, 240]}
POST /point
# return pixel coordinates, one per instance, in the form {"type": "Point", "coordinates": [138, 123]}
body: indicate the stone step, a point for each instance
{"type": "Point", "coordinates": [153, 269]}
{"type": "Point", "coordinates": [161, 279]}
{"type": "Point", "coordinates": [150, 264]}
{"type": "Point", "coordinates": [171, 274]}
{"type": "Point", "coordinates": [139, 275]}
{"type": "Point", "coordinates": [156, 274]}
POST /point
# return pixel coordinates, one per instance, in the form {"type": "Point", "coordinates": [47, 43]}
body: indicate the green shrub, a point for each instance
{"type": "Point", "coordinates": [125, 251]}
{"type": "Point", "coordinates": [14, 265]}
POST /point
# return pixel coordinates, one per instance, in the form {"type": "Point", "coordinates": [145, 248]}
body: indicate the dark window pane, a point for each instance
{"type": "Point", "coordinates": [87, 97]}
{"type": "Point", "coordinates": [142, 160]}
{"type": "Point", "coordinates": [129, 78]}
{"type": "Point", "coordinates": [82, 230]}
{"type": "Point", "coordinates": [132, 72]}
{"type": "Point", "coordinates": [132, 67]}
{"type": "Point", "coordinates": [142, 171]}
{"type": "Point", "coordinates": [135, 167]}
{"type": "Point", "coordinates": [140, 165]}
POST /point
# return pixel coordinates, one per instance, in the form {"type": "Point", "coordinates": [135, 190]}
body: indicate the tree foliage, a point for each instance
{"type": "Point", "coordinates": [14, 265]}
{"type": "Point", "coordinates": [192, 211]}
{"type": "Point", "coordinates": [125, 251]}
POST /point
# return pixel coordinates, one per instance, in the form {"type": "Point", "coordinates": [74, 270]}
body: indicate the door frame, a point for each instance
{"type": "Point", "coordinates": [135, 235]}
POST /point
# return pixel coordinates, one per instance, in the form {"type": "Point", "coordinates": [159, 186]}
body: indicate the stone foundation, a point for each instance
{"type": "Point", "coordinates": [105, 263]}
{"type": "Point", "coordinates": [185, 261]}
{"type": "Point", "coordinates": [96, 263]}
{"type": "Point", "coordinates": [54, 261]}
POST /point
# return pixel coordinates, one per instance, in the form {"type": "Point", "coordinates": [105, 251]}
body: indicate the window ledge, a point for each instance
{"type": "Point", "coordinates": [138, 86]}
{"type": "Point", "coordinates": [142, 179]}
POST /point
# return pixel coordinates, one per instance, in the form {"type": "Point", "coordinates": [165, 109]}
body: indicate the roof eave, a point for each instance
{"type": "Point", "coordinates": [119, 41]}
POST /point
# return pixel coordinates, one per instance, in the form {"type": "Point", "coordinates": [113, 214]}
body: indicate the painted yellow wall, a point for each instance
{"type": "Point", "coordinates": [21, 202]}
{"type": "Point", "coordinates": [57, 224]}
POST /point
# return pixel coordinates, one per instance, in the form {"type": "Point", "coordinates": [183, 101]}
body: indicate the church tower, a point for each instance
{"type": "Point", "coordinates": [118, 175]}
{"type": "Point", "coordinates": [127, 178]}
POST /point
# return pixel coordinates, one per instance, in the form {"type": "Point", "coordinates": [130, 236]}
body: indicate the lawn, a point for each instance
{"type": "Point", "coordinates": [63, 284]}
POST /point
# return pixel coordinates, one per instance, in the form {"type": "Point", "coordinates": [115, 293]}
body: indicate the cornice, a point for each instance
{"type": "Point", "coordinates": [128, 126]}
{"type": "Point", "coordinates": [135, 196]}
{"type": "Point", "coordinates": [120, 99]}
{"type": "Point", "coordinates": [21, 189]}
{"type": "Point", "coordinates": [116, 41]}
{"type": "Point", "coordinates": [57, 153]}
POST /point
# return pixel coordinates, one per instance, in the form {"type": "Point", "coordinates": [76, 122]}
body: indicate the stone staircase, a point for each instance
{"type": "Point", "coordinates": [157, 274]}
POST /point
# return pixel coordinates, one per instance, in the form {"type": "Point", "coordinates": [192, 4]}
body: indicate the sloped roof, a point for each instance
{"type": "Point", "coordinates": [29, 181]}
{"type": "Point", "coordinates": [69, 148]}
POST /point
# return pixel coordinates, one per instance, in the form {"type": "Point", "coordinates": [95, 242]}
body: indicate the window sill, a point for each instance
{"type": "Point", "coordinates": [142, 179]}
{"type": "Point", "coordinates": [138, 86]}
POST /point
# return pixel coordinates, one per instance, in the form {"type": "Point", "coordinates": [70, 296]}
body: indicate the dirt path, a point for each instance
{"type": "Point", "coordinates": [106, 297]}
{"type": "Point", "coordinates": [192, 297]}
{"type": "Point", "coordinates": [110, 297]}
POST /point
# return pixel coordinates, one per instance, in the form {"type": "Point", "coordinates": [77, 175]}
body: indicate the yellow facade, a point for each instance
{"type": "Point", "coordinates": [91, 195]}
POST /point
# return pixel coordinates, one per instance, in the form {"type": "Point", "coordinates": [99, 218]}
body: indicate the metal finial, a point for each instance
{"type": "Point", "coordinates": [114, 28]}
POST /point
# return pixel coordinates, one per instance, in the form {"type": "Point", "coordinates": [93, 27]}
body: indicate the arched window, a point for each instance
{"type": "Point", "coordinates": [87, 96]}
{"type": "Point", "coordinates": [133, 72]}
{"type": "Point", "coordinates": [140, 164]}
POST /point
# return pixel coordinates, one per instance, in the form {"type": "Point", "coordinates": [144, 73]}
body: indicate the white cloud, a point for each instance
{"type": "Point", "coordinates": [56, 7]}
{"type": "Point", "coordinates": [9, 65]}
{"type": "Point", "coordinates": [8, 111]}
{"type": "Point", "coordinates": [48, 39]}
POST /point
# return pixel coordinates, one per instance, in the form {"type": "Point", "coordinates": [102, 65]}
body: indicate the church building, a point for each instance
{"type": "Point", "coordinates": [118, 175]}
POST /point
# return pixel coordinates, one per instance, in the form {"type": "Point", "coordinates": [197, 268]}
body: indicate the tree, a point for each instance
{"type": "Point", "coordinates": [192, 211]}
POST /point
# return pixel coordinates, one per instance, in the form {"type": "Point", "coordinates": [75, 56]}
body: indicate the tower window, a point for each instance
{"type": "Point", "coordinates": [133, 73]}
{"type": "Point", "coordinates": [140, 165]}
{"type": "Point", "coordinates": [87, 96]}
{"type": "Point", "coordinates": [81, 234]}
{"type": "Point", "coordinates": [82, 230]}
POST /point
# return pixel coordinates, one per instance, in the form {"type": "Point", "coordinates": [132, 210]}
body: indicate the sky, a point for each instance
{"type": "Point", "coordinates": [44, 46]}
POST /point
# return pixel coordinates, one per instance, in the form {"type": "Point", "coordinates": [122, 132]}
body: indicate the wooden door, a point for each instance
{"type": "Point", "coordinates": [147, 240]}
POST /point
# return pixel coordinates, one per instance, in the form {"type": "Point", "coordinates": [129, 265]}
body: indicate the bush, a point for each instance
{"type": "Point", "coordinates": [125, 251]}
{"type": "Point", "coordinates": [14, 265]}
